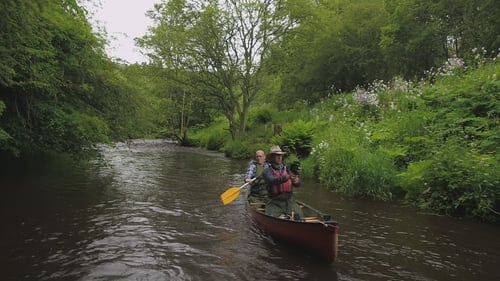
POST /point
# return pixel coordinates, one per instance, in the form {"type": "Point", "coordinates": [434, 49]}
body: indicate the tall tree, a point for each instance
{"type": "Point", "coordinates": [168, 43]}
{"type": "Point", "coordinates": [223, 44]}
{"type": "Point", "coordinates": [58, 89]}
{"type": "Point", "coordinates": [414, 40]}
{"type": "Point", "coordinates": [471, 25]}
{"type": "Point", "coordinates": [423, 34]}
{"type": "Point", "coordinates": [332, 47]}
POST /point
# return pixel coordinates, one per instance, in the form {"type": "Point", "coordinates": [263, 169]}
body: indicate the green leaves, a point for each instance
{"type": "Point", "coordinates": [216, 51]}
{"type": "Point", "coordinates": [55, 81]}
{"type": "Point", "coordinates": [4, 136]}
{"type": "Point", "coordinates": [436, 145]}
{"type": "Point", "coordinates": [334, 47]}
{"type": "Point", "coordinates": [456, 182]}
{"type": "Point", "coordinates": [296, 137]}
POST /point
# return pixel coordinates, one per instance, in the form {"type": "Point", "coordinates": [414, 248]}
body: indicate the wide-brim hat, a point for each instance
{"type": "Point", "coordinates": [276, 150]}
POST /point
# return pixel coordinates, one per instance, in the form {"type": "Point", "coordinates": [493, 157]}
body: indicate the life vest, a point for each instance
{"type": "Point", "coordinates": [259, 171]}
{"type": "Point", "coordinates": [282, 187]}
{"type": "Point", "coordinates": [258, 184]}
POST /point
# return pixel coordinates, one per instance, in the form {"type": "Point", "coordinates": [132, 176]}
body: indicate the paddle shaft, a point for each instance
{"type": "Point", "coordinates": [232, 193]}
{"type": "Point", "coordinates": [245, 185]}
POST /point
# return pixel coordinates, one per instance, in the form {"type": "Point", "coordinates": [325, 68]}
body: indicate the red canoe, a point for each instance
{"type": "Point", "coordinates": [316, 233]}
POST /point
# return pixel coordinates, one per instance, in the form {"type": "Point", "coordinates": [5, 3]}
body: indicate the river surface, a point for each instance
{"type": "Point", "coordinates": [151, 211]}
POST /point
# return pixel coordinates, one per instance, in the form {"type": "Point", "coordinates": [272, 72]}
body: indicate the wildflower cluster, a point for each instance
{"type": "Point", "coordinates": [366, 97]}
{"type": "Point", "coordinates": [320, 147]}
{"type": "Point", "coordinates": [405, 86]}
{"type": "Point", "coordinates": [452, 66]}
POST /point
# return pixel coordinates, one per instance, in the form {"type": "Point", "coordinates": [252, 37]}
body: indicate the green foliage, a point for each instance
{"type": "Point", "coordinates": [442, 146]}
{"type": "Point", "coordinates": [455, 173]}
{"type": "Point", "coordinates": [335, 47]}
{"type": "Point", "coordinates": [4, 136]}
{"type": "Point", "coordinates": [296, 137]}
{"type": "Point", "coordinates": [219, 48]}
{"type": "Point", "coordinates": [404, 136]}
{"type": "Point", "coordinates": [413, 40]}
{"type": "Point", "coordinates": [215, 142]}
{"type": "Point", "coordinates": [70, 131]}
{"type": "Point", "coordinates": [434, 141]}
{"type": "Point", "coordinates": [308, 166]}
{"type": "Point", "coordinates": [468, 107]}
{"type": "Point", "coordinates": [344, 160]}
{"type": "Point", "coordinates": [48, 52]}
{"type": "Point", "coordinates": [142, 112]}
{"type": "Point", "coordinates": [238, 150]}
{"type": "Point", "coordinates": [259, 127]}
{"type": "Point", "coordinates": [59, 89]}
{"type": "Point", "coordinates": [214, 137]}
{"type": "Point", "coordinates": [457, 181]}
{"type": "Point", "coordinates": [412, 135]}
{"type": "Point", "coordinates": [261, 115]}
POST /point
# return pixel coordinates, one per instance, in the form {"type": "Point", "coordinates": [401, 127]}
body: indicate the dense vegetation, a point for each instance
{"type": "Point", "coordinates": [383, 99]}
{"type": "Point", "coordinates": [432, 144]}
{"type": "Point", "coordinates": [58, 89]}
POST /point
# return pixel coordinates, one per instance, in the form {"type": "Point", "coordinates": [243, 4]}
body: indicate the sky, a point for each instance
{"type": "Point", "coordinates": [123, 20]}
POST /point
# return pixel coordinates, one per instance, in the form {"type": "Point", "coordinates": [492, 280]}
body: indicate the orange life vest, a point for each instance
{"type": "Point", "coordinates": [282, 187]}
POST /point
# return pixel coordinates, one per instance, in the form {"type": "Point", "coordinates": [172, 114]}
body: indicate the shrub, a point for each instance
{"type": "Point", "coordinates": [215, 142]}
{"type": "Point", "coordinates": [238, 150]}
{"type": "Point", "coordinates": [345, 161]}
{"type": "Point", "coordinates": [457, 181]}
{"type": "Point", "coordinates": [261, 115]}
{"type": "Point", "coordinates": [296, 138]}
{"type": "Point", "coordinates": [358, 172]}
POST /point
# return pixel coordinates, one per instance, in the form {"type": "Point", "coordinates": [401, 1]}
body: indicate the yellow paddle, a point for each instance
{"type": "Point", "coordinates": [232, 193]}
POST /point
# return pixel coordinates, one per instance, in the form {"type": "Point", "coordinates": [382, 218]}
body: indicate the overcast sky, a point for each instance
{"type": "Point", "coordinates": [124, 20]}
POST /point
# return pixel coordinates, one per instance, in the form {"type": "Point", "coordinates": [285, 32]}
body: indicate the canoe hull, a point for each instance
{"type": "Point", "coordinates": [317, 235]}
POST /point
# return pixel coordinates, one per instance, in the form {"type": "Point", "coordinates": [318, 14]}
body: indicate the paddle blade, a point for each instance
{"type": "Point", "coordinates": [230, 195]}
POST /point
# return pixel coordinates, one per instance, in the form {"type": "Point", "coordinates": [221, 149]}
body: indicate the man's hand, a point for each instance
{"type": "Point", "coordinates": [294, 178]}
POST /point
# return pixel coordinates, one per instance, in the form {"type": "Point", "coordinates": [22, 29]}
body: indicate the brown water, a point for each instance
{"type": "Point", "coordinates": [151, 211]}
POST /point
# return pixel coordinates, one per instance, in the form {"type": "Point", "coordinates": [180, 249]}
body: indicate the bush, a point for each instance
{"type": "Point", "coordinates": [238, 150]}
{"type": "Point", "coordinates": [215, 142]}
{"type": "Point", "coordinates": [296, 138]}
{"type": "Point", "coordinates": [457, 181]}
{"type": "Point", "coordinates": [261, 115]}
{"type": "Point", "coordinates": [359, 173]}
{"type": "Point", "coordinates": [435, 145]}
{"type": "Point", "coordinates": [211, 138]}
{"type": "Point", "coordinates": [345, 161]}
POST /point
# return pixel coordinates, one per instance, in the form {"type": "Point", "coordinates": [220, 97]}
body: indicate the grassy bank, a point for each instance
{"type": "Point", "coordinates": [430, 143]}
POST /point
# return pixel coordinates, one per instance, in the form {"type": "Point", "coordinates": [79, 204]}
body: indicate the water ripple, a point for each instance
{"type": "Point", "coordinates": [151, 211]}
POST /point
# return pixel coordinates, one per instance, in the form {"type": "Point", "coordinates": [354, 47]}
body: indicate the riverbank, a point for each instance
{"type": "Point", "coordinates": [432, 144]}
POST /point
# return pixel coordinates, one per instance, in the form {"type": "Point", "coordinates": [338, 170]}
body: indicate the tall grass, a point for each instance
{"type": "Point", "coordinates": [433, 144]}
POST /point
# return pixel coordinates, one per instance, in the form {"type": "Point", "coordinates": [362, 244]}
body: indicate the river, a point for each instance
{"type": "Point", "coordinates": [151, 211]}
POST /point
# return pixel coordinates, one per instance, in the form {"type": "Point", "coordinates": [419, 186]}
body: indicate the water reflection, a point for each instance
{"type": "Point", "coordinates": [151, 211]}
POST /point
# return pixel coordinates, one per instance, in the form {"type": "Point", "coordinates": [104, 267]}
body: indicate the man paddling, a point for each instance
{"type": "Point", "coordinates": [258, 190]}
{"type": "Point", "coordinates": [280, 183]}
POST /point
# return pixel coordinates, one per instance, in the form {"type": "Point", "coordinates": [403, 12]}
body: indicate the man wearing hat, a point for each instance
{"type": "Point", "coordinates": [280, 183]}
